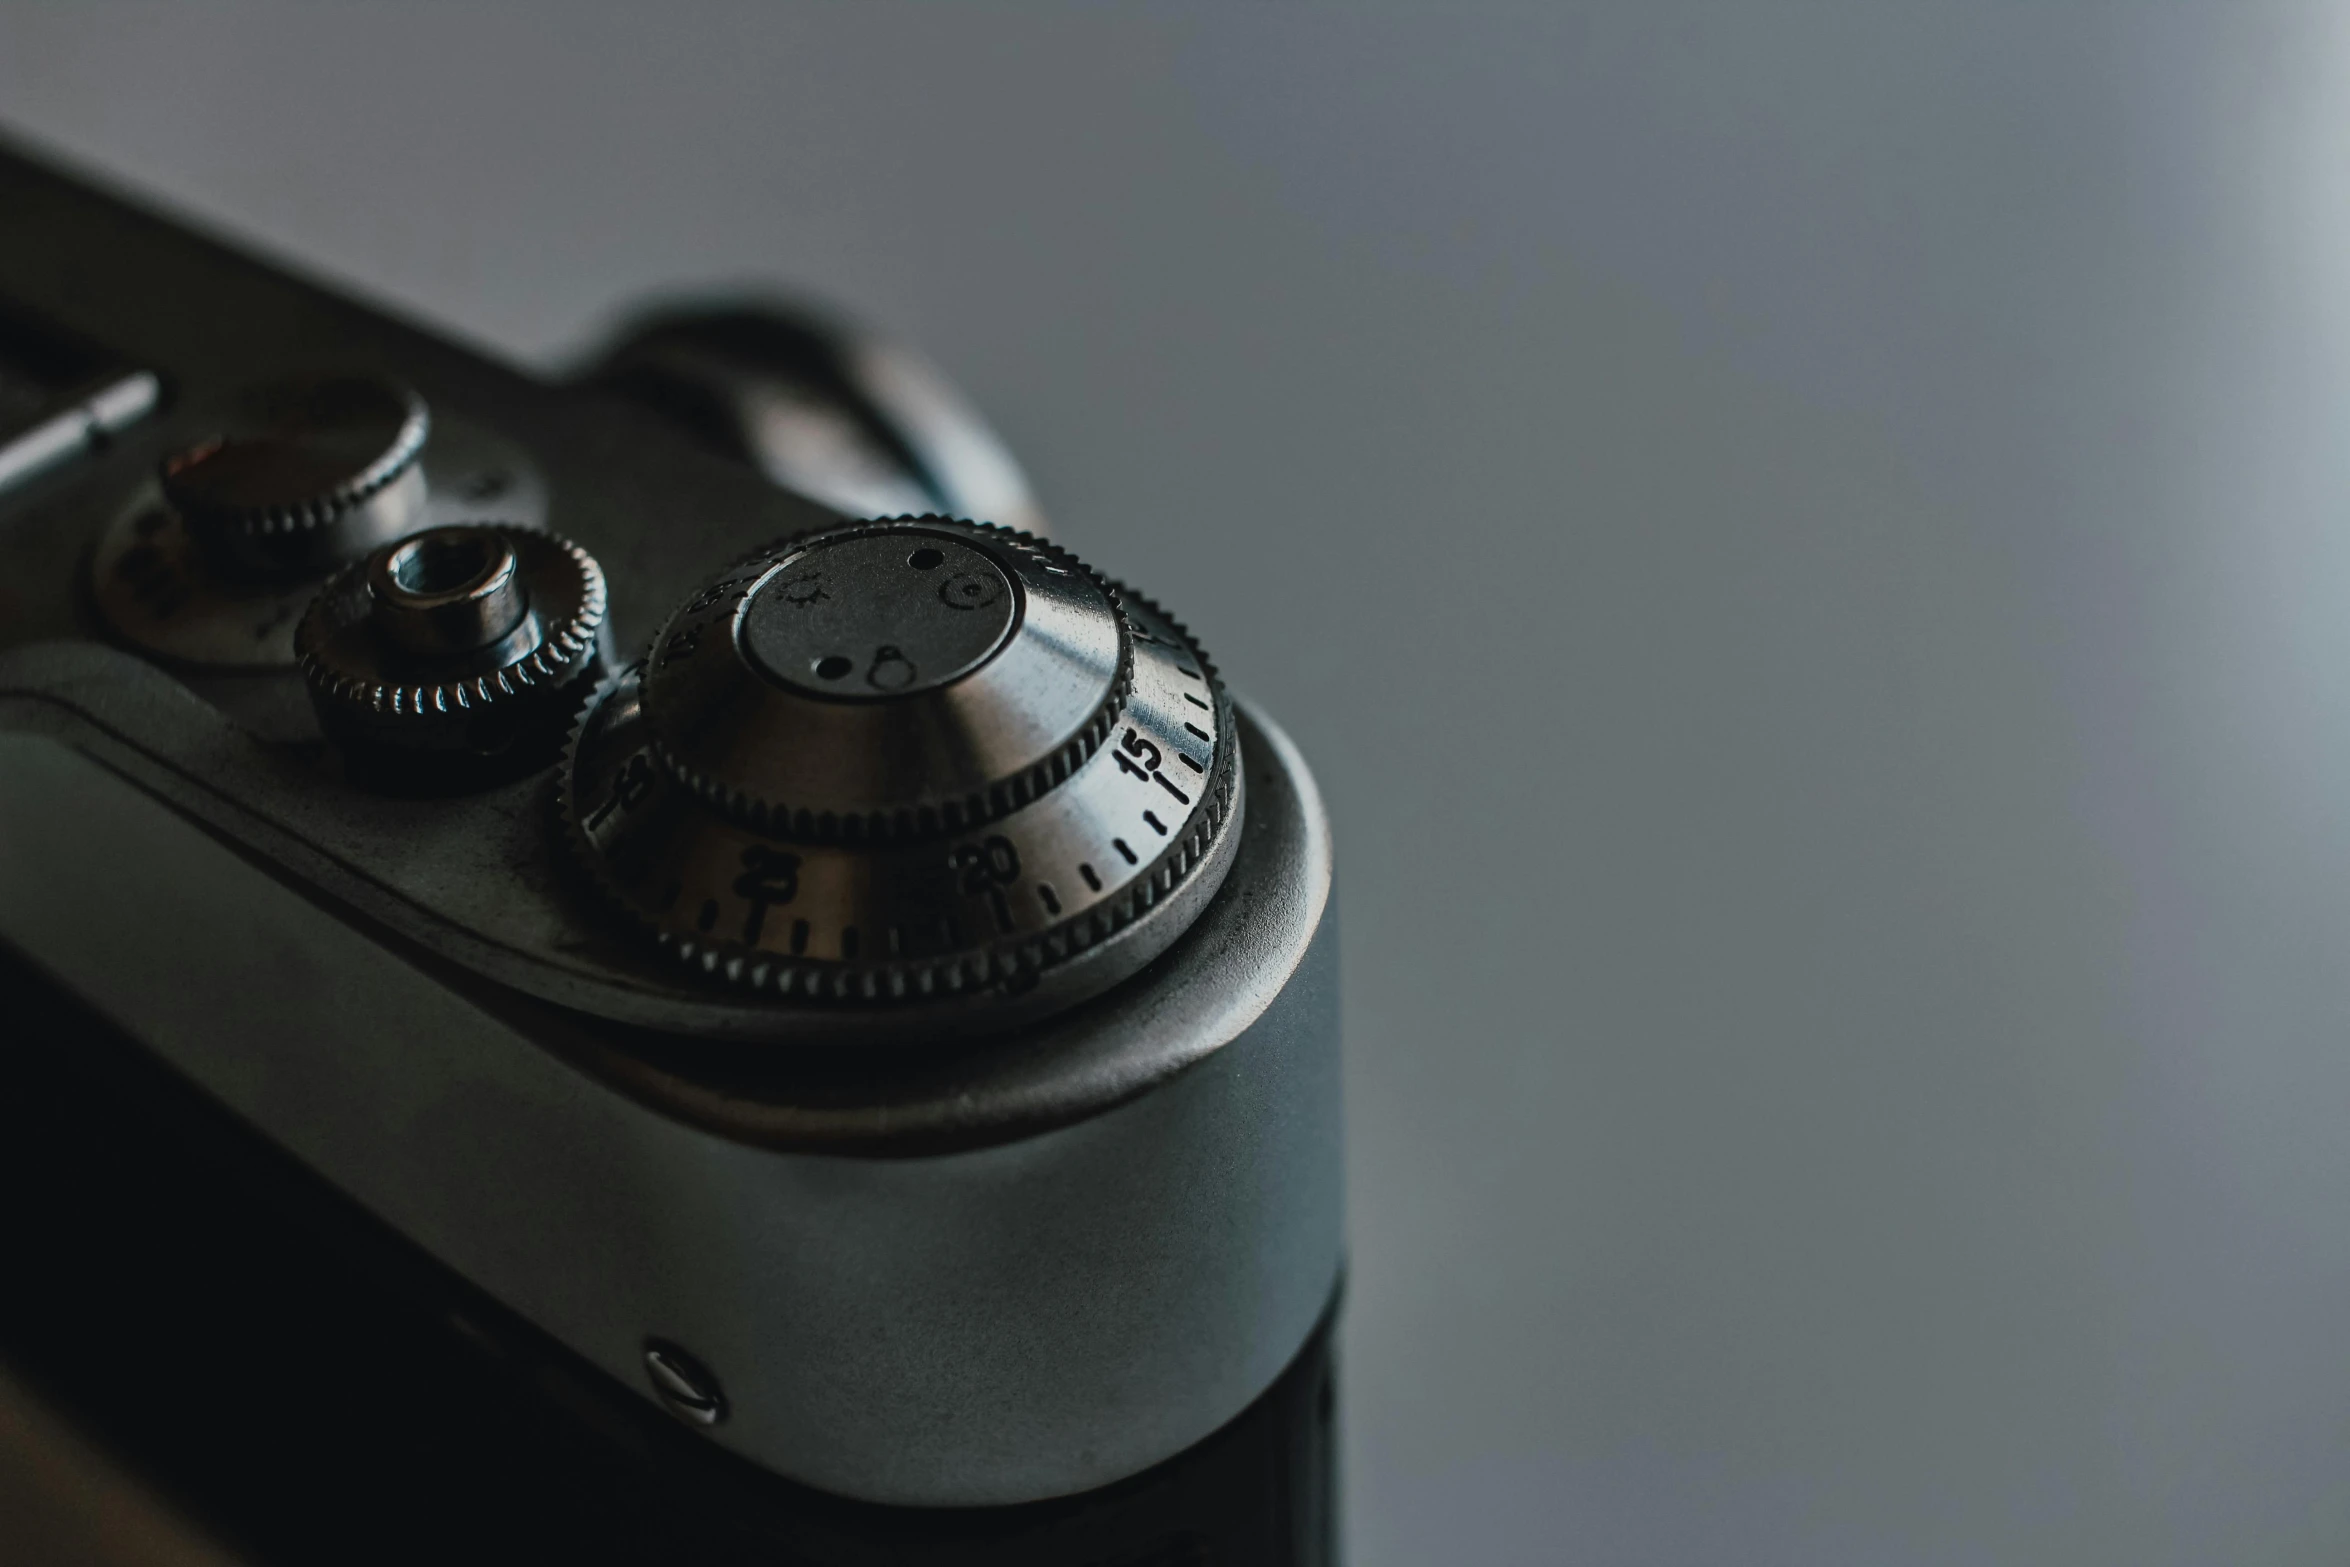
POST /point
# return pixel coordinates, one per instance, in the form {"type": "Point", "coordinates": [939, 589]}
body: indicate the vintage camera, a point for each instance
{"type": "Point", "coordinates": [663, 907]}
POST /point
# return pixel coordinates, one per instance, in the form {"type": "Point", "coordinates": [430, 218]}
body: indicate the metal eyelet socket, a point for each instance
{"type": "Point", "coordinates": [683, 1384]}
{"type": "Point", "coordinates": [447, 592]}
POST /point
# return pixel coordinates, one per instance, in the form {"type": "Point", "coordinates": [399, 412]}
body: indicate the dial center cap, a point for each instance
{"type": "Point", "coordinates": [871, 617]}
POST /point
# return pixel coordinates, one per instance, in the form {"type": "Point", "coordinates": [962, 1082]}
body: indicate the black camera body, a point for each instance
{"type": "Point", "coordinates": [843, 1004]}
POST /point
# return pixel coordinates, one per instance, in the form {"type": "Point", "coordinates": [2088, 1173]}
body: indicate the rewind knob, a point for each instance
{"type": "Point", "coordinates": [303, 474]}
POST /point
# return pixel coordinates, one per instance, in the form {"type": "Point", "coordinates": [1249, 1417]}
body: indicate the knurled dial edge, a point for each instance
{"type": "Point", "coordinates": [410, 426]}
{"type": "Point", "coordinates": [571, 618]}
{"type": "Point", "coordinates": [1074, 868]}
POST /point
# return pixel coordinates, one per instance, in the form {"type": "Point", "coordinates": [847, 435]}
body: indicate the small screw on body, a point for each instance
{"type": "Point", "coordinates": [684, 1384]}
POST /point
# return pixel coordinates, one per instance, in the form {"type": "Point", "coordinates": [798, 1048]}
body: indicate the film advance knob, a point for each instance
{"type": "Point", "coordinates": [910, 760]}
{"type": "Point", "coordinates": [303, 474]}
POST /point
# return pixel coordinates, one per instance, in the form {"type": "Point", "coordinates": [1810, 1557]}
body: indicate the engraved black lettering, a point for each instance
{"type": "Point", "coordinates": [769, 877]}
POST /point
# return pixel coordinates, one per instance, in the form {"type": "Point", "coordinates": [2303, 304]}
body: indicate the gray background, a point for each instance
{"type": "Point", "coordinates": [1810, 548]}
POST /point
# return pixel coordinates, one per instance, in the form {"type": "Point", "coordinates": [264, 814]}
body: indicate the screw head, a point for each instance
{"type": "Point", "coordinates": [683, 1384]}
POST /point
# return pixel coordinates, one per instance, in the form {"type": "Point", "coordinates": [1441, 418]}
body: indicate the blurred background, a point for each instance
{"type": "Point", "coordinates": [1809, 547]}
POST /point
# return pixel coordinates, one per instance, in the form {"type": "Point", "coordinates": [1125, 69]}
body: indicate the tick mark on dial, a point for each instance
{"type": "Point", "coordinates": [1157, 826]}
{"type": "Point", "coordinates": [1120, 845]}
{"type": "Point", "coordinates": [1188, 762]}
{"type": "Point", "coordinates": [1195, 701]}
{"type": "Point", "coordinates": [1050, 899]}
{"type": "Point", "coordinates": [1198, 733]}
{"type": "Point", "coordinates": [1091, 880]}
{"type": "Point", "coordinates": [1168, 784]}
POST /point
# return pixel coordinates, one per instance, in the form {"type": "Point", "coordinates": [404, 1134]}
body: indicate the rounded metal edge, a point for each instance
{"type": "Point", "coordinates": [1054, 1315]}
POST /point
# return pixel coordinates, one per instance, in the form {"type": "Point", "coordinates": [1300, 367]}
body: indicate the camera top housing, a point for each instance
{"type": "Point", "coordinates": [857, 976]}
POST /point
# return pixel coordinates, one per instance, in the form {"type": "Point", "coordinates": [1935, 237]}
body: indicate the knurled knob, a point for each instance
{"type": "Point", "coordinates": [455, 650]}
{"type": "Point", "coordinates": [909, 760]}
{"type": "Point", "coordinates": [300, 475]}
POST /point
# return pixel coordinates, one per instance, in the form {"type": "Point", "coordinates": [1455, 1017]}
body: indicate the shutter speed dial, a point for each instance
{"type": "Point", "coordinates": [907, 761]}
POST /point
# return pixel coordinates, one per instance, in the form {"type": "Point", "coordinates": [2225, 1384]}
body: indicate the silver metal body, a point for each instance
{"type": "Point", "coordinates": [978, 1268]}
{"type": "Point", "coordinates": [1133, 1224]}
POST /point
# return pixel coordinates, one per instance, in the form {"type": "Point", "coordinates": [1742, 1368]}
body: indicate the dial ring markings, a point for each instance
{"type": "Point", "coordinates": [994, 907]}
